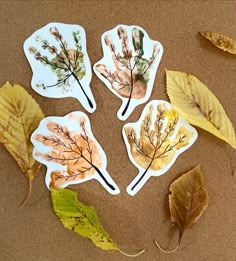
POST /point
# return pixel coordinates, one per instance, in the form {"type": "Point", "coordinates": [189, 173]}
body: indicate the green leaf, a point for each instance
{"type": "Point", "coordinates": [83, 220]}
{"type": "Point", "coordinates": [80, 218]}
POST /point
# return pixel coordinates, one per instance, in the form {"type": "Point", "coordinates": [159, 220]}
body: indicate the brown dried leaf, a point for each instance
{"type": "Point", "coordinates": [187, 201]}
{"type": "Point", "coordinates": [221, 41]}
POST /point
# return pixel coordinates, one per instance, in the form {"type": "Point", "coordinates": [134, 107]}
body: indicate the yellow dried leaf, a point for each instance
{"type": "Point", "coordinates": [198, 105]}
{"type": "Point", "coordinates": [187, 201]}
{"type": "Point", "coordinates": [19, 117]}
{"type": "Point", "coordinates": [221, 41]}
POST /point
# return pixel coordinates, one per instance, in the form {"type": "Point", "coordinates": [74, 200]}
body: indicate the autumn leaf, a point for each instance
{"type": "Point", "coordinates": [221, 41]}
{"type": "Point", "coordinates": [155, 141]}
{"type": "Point", "coordinates": [71, 152]}
{"type": "Point", "coordinates": [187, 201]}
{"type": "Point", "coordinates": [19, 117]}
{"type": "Point", "coordinates": [198, 105]}
{"type": "Point", "coordinates": [82, 219]}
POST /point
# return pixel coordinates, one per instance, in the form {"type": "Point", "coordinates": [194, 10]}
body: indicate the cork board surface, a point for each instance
{"type": "Point", "coordinates": [34, 233]}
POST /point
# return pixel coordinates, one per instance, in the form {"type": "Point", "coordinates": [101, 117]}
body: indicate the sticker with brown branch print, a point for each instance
{"type": "Point", "coordinates": [60, 63]}
{"type": "Point", "coordinates": [71, 153]}
{"type": "Point", "coordinates": [129, 65]}
{"type": "Point", "coordinates": [155, 141]}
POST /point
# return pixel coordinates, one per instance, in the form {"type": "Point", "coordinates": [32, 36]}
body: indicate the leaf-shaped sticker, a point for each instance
{"type": "Point", "coordinates": [155, 141]}
{"type": "Point", "coordinates": [221, 41]}
{"type": "Point", "coordinates": [82, 219]}
{"type": "Point", "coordinates": [19, 117]}
{"type": "Point", "coordinates": [60, 63]}
{"type": "Point", "coordinates": [129, 65]}
{"type": "Point", "coordinates": [187, 201]}
{"type": "Point", "coordinates": [70, 151]}
{"type": "Point", "coordinates": [198, 105]}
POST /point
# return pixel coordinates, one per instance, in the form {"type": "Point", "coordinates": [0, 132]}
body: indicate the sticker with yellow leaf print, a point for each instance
{"type": "Point", "coordinates": [155, 141]}
{"type": "Point", "coordinates": [67, 147]}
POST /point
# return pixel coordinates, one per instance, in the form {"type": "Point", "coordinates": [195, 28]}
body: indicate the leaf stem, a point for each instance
{"type": "Point", "coordinates": [131, 255]}
{"type": "Point", "coordinates": [102, 176]}
{"type": "Point", "coordinates": [144, 173]}
{"type": "Point", "coordinates": [173, 250]}
{"type": "Point", "coordinates": [89, 101]}
{"type": "Point", "coordinates": [130, 95]}
{"type": "Point", "coordinates": [167, 251]}
{"type": "Point", "coordinates": [28, 194]}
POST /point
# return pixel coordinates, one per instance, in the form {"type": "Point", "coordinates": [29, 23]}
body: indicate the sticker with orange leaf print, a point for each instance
{"type": "Point", "coordinates": [129, 65]}
{"type": "Point", "coordinates": [61, 68]}
{"type": "Point", "coordinates": [67, 147]}
{"type": "Point", "coordinates": [155, 141]}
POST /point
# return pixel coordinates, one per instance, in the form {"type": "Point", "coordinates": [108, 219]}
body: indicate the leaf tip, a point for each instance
{"type": "Point", "coordinates": [203, 33]}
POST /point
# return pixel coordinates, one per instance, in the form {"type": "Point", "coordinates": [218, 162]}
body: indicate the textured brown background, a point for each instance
{"type": "Point", "coordinates": [34, 233]}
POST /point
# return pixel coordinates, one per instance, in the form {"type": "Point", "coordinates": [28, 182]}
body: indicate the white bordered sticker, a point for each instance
{"type": "Point", "coordinates": [67, 147]}
{"type": "Point", "coordinates": [61, 68]}
{"type": "Point", "coordinates": [129, 64]}
{"type": "Point", "coordinates": [155, 141]}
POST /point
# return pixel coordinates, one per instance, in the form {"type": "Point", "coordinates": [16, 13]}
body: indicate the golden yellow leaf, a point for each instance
{"type": "Point", "coordinates": [198, 105]}
{"type": "Point", "coordinates": [19, 117]}
{"type": "Point", "coordinates": [221, 41]}
{"type": "Point", "coordinates": [187, 201]}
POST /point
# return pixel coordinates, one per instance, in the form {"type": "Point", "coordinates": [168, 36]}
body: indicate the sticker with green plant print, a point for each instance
{"type": "Point", "coordinates": [60, 63]}
{"type": "Point", "coordinates": [129, 64]}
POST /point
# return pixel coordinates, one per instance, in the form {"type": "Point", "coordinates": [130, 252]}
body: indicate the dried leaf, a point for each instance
{"type": "Point", "coordinates": [198, 105]}
{"type": "Point", "coordinates": [221, 41]}
{"type": "Point", "coordinates": [81, 218]}
{"type": "Point", "coordinates": [19, 117]}
{"type": "Point", "coordinates": [187, 201]}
